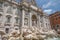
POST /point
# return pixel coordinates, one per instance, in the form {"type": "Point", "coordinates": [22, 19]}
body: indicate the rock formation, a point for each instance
{"type": "Point", "coordinates": [32, 33]}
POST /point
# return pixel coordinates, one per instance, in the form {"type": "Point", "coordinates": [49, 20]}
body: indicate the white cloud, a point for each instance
{"type": "Point", "coordinates": [47, 5]}
{"type": "Point", "coordinates": [48, 11]}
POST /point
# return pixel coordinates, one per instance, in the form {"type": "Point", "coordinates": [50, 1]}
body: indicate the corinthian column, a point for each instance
{"type": "Point", "coordinates": [39, 21]}
{"type": "Point", "coordinates": [23, 13]}
{"type": "Point", "coordinates": [30, 23]}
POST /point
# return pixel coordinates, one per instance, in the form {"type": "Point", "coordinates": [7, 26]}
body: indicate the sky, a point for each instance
{"type": "Point", "coordinates": [49, 6]}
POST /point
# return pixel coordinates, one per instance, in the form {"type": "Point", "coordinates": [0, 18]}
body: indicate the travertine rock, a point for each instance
{"type": "Point", "coordinates": [30, 33]}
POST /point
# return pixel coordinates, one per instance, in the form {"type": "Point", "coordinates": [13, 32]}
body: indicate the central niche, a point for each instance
{"type": "Point", "coordinates": [34, 20]}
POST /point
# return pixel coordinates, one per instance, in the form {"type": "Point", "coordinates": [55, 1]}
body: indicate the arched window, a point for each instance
{"type": "Point", "coordinates": [26, 21]}
{"type": "Point", "coordinates": [18, 11]}
{"type": "Point", "coordinates": [9, 10]}
{"type": "Point", "coordinates": [6, 4]}
{"type": "Point", "coordinates": [8, 20]}
{"type": "Point", "coordinates": [16, 20]}
{"type": "Point", "coordinates": [34, 20]}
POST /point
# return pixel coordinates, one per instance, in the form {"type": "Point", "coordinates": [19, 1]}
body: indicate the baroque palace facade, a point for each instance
{"type": "Point", "coordinates": [16, 15]}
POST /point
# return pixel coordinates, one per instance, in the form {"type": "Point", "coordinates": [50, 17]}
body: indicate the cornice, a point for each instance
{"type": "Point", "coordinates": [28, 6]}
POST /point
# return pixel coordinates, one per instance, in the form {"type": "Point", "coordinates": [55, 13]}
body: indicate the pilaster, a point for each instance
{"type": "Point", "coordinates": [23, 13]}
{"type": "Point", "coordinates": [39, 21]}
{"type": "Point", "coordinates": [30, 23]}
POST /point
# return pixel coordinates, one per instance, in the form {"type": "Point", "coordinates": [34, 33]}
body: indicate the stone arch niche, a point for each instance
{"type": "Point", "coordinates": [26, 22]}
{"type": "Point", "coordinates": [8, 20]}
{"type": "Point", "coordinates": [34, 20]}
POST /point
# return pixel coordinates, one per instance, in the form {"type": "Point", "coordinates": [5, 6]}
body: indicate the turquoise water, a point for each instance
{"type": "Point", "coordinates": [52, 39]}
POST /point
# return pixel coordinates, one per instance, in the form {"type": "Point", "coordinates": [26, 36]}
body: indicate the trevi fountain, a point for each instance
{"type": "Point", "coordinates": [24, 21]}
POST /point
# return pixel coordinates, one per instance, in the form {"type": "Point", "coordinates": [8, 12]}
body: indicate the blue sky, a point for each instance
{"type": "Point", "coordinates": [49, 6]}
